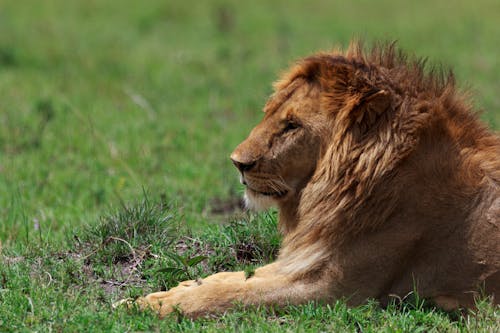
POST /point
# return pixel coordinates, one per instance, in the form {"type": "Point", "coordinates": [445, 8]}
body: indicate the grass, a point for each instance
{"type": "Point", "coordinates": [104, 101]}
{"type": "Point", "coordinates": [128, 253]}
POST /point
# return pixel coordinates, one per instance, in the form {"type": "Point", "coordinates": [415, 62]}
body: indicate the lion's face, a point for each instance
{"type": "Point", "coordinates": [280, 155]}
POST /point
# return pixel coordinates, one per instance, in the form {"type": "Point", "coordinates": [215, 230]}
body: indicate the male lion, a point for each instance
{"type": "Point", "coordinates": [385, 181]}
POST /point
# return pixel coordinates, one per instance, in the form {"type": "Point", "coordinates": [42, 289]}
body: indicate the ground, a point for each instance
{"type": "Point", "coordinates": [117, 119]}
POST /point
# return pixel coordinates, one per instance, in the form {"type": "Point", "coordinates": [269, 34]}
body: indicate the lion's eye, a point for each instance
{"type": "Point", "coordinates": [290, 126]}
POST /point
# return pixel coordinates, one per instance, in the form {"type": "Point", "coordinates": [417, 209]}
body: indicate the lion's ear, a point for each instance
{"type": "Point", "coordinates": [369, 106]}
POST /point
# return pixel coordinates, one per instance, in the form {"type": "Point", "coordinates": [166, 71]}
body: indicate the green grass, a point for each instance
{"type": "Point", "coordinates": [104, 101]}
{"type": "Point", "coordinates": [135, 250]}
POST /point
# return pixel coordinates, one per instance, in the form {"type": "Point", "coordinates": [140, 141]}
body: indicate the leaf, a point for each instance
{"type": "Point", "coordinates": [172, 270]}
{"type": "Point", "coordinates": [178, 259]}
{"type": "Point", "coordinates": [196, 260]}
{"type": "Point", "coordinates": [249, 272]}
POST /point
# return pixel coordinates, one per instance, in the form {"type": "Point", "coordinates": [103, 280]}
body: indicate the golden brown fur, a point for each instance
{"type": "Point", "coordinates": [385, 180]}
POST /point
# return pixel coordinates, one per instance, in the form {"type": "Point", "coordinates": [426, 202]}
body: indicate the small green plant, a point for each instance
{"type": "Point", "coordinates": [249, 272]}
{"type": "Point", "coordinates": [183, 266]}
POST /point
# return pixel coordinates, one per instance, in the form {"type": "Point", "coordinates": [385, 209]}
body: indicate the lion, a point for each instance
{"type": "Point", "coordinates": [386, 184]}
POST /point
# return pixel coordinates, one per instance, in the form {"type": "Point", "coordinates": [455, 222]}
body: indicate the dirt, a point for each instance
{"type": "Point", "coordinates": [228, 206]}
{"type": "Point", "coordinates": [11, 260]}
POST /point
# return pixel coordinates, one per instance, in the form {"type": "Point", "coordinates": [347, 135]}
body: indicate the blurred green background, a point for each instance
{"type": "Point", "coordinates": [101, 100]}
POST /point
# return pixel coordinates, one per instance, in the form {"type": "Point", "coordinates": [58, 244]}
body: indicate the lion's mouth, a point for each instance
{"type": "Point", "coordinates": [274, 194]}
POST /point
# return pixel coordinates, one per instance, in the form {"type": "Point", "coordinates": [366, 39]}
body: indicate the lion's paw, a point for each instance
{"type": "Point", "coordinates": [163, 302]}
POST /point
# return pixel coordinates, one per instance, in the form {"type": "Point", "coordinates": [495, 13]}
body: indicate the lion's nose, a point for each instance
{"type": "Point", "coordinates": [243, 166]}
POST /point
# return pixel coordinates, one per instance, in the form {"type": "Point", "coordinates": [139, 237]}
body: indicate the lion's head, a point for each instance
{"type": "Point", "coordinates": [322, 111]}
{"type": "Point", "coordinates": [280, 155]}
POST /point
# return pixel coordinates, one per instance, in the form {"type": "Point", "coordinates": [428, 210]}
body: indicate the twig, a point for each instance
{"type": "Point", "coordinates": [124, 241]}
{"type": "Point", "coordinates": [93, 252]}
{"type": "Point", "coordinates": [50, 278]}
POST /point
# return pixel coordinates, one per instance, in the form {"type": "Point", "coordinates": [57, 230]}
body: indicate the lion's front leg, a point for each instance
{"type": "Point", "coordinates": [219, 292]}
{"type": "Point", "coordinates": [212, 294]}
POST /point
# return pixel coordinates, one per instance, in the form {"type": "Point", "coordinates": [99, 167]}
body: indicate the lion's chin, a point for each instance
{"type": "Point", "coordinates": [257, 201]}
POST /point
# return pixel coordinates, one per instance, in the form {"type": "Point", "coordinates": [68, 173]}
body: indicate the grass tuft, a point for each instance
{"type": "Point", "coordinates": [137, 226]}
